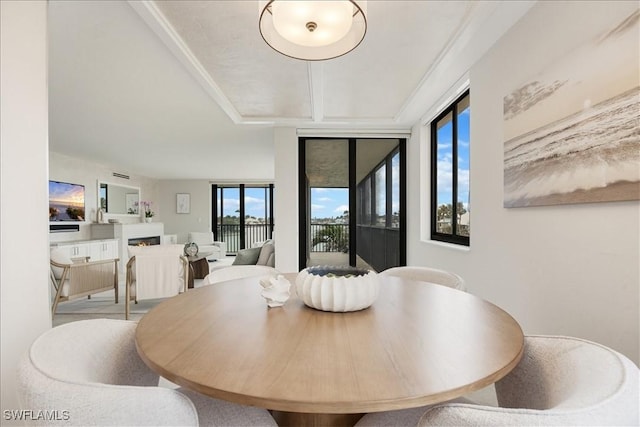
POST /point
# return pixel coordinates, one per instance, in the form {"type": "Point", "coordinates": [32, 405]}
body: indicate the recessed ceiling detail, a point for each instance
{"type": "Point", "coordinates": [186, 89]}
{"type": "Point", "coordinates": [371, 85]}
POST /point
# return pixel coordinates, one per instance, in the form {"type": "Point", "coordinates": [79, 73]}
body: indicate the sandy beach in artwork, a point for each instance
{"type": "Point", "coordinates": [590, 156]}
{"type": "Point", "coordinates": [615, 192]}
{"type": "Point", "coordinates": [572, 133]}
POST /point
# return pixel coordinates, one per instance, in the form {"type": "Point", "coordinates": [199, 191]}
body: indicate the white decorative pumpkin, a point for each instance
{"type": "Point", "coordinates": [337, 289]}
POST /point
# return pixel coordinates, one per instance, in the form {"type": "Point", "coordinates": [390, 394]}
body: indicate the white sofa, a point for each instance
{"type": "Point", "coordinates": [205, 242]}
{"type": "Point", "coordinates": [237, 272]}
{"type": "Point", "coordinates": [260, 253]}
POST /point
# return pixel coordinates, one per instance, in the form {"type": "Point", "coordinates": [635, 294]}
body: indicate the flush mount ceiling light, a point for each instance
{"type": "Point", "coordinates": [313, 30]}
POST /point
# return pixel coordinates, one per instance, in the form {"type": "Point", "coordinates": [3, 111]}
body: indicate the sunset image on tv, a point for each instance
{"type": "Point", "coordinates": [66, 201]}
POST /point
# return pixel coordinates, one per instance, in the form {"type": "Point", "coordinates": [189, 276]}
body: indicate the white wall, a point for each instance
{"type": "Point", "coordinates": [570, 269]}
{"type": "Point", "coordinates": [24, 254]}
{"type": "Point", "coordinates": [162, 193]}
{"type": "Point", "coordinates": [77, 171]}
{"type": "Point", "coordinates": [286, 199]}
{"type": "Point", "coordinates": [199, 218]}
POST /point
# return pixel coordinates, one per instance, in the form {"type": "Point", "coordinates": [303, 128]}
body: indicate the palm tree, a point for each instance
{"type": "Point", "coordinates": [444, 212]}
{"type": "Point", "coordinates": [443, 218]}
{"type": "Point", "coordinates": [463, 229]}
{"type": "Point", "coordinates": [460, 210]}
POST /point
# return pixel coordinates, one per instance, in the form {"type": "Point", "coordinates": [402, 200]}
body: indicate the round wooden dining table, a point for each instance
{"type": "Point", "coordinates": [418, 344]}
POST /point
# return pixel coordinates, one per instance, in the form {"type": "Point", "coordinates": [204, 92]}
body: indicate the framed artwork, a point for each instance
{"type": "Point", "coordinates": [571, 131]}
{"type": "Point", "coordinates": [183, 203]}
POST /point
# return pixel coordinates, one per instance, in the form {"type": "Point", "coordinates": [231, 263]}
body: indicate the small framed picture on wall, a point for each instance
{"type": "Point", "coordinates": [183, 203]}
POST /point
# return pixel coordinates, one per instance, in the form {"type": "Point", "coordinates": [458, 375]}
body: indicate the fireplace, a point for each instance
{"type": "Point", "coordinates": [144, 241]}
{"type": "Point", "coordinates": [129, 234]}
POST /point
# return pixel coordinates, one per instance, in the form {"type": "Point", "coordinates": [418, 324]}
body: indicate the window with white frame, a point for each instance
{"type": "Point", "coordinates": [450, 140]}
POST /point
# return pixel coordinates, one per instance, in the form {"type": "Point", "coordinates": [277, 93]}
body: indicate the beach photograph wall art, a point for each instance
{"type": "Point", "coordinates": [572, 132]}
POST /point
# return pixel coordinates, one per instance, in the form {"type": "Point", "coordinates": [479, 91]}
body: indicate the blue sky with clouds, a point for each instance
{"type": "Point", "coordinates": [254, 201]}
{"type": "Point", "coordinates": [332, 202]}
{"type": "Point", "coordinates": [329, 202]}
{"type": "Point", "coordinates": [445, 166]}
{"type": "Point", "coordinates": [325, 202]}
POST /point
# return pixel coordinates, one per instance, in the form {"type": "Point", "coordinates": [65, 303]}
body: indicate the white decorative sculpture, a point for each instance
{"type": "Point", "coordinates": [276, 290]}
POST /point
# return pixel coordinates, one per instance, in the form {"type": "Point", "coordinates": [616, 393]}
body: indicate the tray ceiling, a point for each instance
{"type": "Point", "coordinates": [185, 89]}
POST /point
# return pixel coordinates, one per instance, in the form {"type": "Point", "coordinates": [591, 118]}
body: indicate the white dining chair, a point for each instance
{"type": "Point", "coordinates": [238, 272]}
{"type": "Point", "coordinates": [427, 274]}
{"type": "Point", "coordinates": [88, 373]}
{"type": "Point", "coordinates": [157, 271]}
{"type": "Point", "coordinates": [560, 381]}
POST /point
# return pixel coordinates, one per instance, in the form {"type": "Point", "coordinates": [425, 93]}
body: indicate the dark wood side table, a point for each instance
{"type": "Point", "coordinates": [199, 267]}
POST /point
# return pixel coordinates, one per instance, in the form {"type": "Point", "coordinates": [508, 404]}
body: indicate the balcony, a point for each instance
{"type": "Point", "coordinates": [230, 233]}
{"type": "Point", "coordinates": [331, 248]}
{"type": "Point", "coordinates": [330, 245]}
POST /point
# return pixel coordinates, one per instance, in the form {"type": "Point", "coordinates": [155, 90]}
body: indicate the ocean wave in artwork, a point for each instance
{"type": "Point", "coordinates": [579, 156]}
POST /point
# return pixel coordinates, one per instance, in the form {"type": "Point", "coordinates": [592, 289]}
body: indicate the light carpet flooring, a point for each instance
{"type": "Point", "coordinates": [100, 308]}
{"type": "Point", "coordinates": [103, 306]}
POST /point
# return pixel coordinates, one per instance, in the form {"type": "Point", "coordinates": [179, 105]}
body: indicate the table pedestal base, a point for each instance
{"type": "Point", "coordinates": [301, 419]}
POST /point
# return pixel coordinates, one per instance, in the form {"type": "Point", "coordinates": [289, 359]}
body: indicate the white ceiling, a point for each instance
{"type": "Point", "coordinates": [188, 89]}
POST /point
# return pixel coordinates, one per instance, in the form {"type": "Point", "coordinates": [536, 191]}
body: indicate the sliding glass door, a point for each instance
{"type": "Point", "coordinates": [380, 236]}
{"type": "Point", "coordinates": [242, 214]}
{"type": "Point", "coordinates": [352, 202]}
{"type": "Point", "coordinates": [327, 190]}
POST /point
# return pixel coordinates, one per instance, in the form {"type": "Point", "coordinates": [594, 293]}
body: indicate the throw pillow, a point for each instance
{"type": "Point", "coordinates": [266, 250]}
{"type": "Point", "coordinates": [247, 256]}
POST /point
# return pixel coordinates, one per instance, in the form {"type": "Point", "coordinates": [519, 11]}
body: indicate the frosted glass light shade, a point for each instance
{"type": "Point", "coordinates": [313, 30]}
{"type": "Point", "coordinates": [331, 21]}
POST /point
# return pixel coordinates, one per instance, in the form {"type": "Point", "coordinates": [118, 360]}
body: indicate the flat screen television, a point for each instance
{"type": "Point", "coordinates": [66, 202]}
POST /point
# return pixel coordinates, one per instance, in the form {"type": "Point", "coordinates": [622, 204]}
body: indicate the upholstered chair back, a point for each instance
{"type": "Point", "coordinates": [562, 373]}
{"type": "Point", "coordinates": [239, 272]}
{"type": "Point", "coordinates": [102, 351]}
{"type": "Point", "coordinates": [560, 381]}
{"type": "Point", "coordinates": [88, 373]}
{"type": "Point", "coordinates": [205, 242]}
{"type": "Point", "coordinates": [427, 274]}
{"type": "Point", "coordinates": [201, 237]}
{"type": "Point", "coordinates": [158, 271]}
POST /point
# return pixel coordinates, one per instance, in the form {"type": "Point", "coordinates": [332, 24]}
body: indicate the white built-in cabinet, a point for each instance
{"type": "Point", "coordinates": [104, 249]}
{"type": "Point", "coordinates": [95, 249]}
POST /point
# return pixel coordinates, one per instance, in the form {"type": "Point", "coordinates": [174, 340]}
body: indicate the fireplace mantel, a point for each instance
{"type": "Point", "coordinates": [124, 232]}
